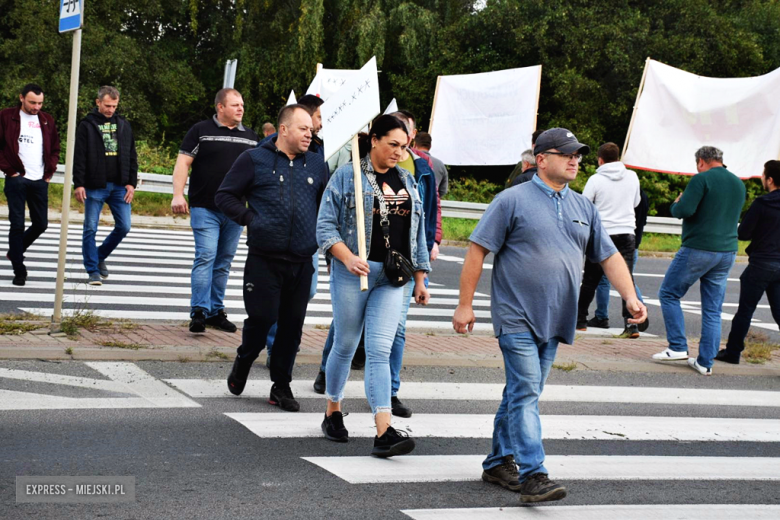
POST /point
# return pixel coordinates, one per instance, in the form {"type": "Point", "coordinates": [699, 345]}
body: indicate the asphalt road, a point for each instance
{"type": "Point", "coordinates": [199, 463]}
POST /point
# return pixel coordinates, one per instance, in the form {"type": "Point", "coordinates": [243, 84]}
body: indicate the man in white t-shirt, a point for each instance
{"type": "Point", "coordinates": [29, 153]}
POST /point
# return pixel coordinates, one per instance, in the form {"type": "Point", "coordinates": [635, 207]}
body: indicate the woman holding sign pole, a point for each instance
{"type": "Point", "coordinates": [395, 235]}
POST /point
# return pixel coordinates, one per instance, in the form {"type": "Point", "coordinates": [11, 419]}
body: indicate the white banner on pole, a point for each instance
{"type": "Point", "coordinates": [487, 118]}
{"type": "Point", "coordinates": [291, 99]}
{"type": "Point", "coordinates": [350, 109]}
{"type": "Point", "coordinates": [679, 112]}
{"type": "Point", "coordinates": [328, 81]}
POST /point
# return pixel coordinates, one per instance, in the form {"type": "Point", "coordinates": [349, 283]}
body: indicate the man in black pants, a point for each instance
{"type": "Point", "coordinates": [760, 225]}
{"type": "Point", "coordinates": [29, 153]}
{"type": "Point", "coordinates": [283, 183]}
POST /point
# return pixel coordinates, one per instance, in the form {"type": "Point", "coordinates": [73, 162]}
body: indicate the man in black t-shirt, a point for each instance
{"type": "Point", "coordinates": [105, 171]}
{"type": "Point", "coordinates": [209, 148]}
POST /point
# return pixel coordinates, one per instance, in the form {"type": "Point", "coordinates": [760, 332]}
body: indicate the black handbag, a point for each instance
{"type": "Point", "coordinates": [398, 269]}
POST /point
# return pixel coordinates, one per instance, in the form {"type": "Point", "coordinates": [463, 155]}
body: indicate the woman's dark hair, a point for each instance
{"type": "Point", "coordinates": [772, 171]}
{"type": "Point", "coordinates": [380, 127]}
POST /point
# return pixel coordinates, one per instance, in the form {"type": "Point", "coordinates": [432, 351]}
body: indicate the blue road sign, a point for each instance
{"type": "Point", "coordinates": [71, 15]}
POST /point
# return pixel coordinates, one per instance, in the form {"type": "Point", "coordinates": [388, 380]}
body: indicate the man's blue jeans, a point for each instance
{"type": "Point", "coordinates": [517, 429]}
{"type": "Point", "coordinates": [602, 293]}
{"type": "Point", "coordinates": [216, 240]}
{"type": "Point", "coordinates": [378, 310]}
{"type": "Point", "coordinates": [114, 196]}
{"type": "Point", "coordinates": [711, 269]}
{"type": "Point", "coordinates": [269, 342]}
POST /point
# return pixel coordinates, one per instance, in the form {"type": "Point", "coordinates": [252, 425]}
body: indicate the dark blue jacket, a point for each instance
{"type": "Point", "coordinates": [426, 186]}
{"type": "Point", "coordinates": [283, 197]}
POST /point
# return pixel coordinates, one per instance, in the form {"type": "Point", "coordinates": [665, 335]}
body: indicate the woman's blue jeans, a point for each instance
{"type": "Point", "coordinates": [379, 309]}
{"type": "Point", "coordinates": [711, 270]}
{"type": "Point", "coordinates": [517, 429]}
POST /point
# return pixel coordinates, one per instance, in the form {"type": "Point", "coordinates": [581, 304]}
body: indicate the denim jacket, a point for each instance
{"type": "Point", "coordinates": [336, 219]}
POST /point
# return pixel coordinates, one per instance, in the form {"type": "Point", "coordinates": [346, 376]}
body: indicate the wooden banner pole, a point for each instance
{"type": "Point", "coordinates": [636, 105]}
{"type": "Point", "coordinates": [538, 94]}
{"type": "Point", "coordinates": [433, 109]}
{"type": "Point", "coordinates": [360, 217]}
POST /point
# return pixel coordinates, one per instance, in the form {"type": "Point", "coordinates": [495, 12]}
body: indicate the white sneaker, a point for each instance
{"type": "Point", "coordinates": [670, 355]}
{"type": "Point", "coordinates": [697, 367]}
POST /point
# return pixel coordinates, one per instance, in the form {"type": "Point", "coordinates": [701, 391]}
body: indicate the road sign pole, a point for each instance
{"type": "Point", "coordinates": [75, 63]}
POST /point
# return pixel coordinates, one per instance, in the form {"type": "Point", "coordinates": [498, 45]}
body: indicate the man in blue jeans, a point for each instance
{"type": "Point", "coordinates": [210, 148]}
{"type": "Point", "coordinates": [105, 171]}
{"type": "Point", "coordinates": [541, 223]}
{"type": "Point", "coordinates": [710, 207]}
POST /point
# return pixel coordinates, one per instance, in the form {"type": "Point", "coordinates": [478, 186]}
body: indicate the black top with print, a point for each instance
{"type": "Point", "coordinates": [399, 209]}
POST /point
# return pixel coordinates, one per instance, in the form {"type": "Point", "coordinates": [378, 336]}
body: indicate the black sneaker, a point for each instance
{"type": "Point", "coordinates": [198, 322]}
{"type": "Point", "coordinates": [727, 357]}
{"type": "Point", "coordinates": [359, 359]}
{"type": "Point", "coordinates": [399, 408]}
{"type": "Point", "coordinates": [630, 332]}
{"type": "Point", "coordinates": [393, 442]}
{"type": "Point", "coordinates": [539, 488]}
{"type": "Point", "coordinates": [319, 383]}
{"type": "Point", "coordinates": [220, 321]}
{"type": "Point", "coordinates": [598, 323]}
{"type": "Point", "coordinates": [102, 269]}
{"type": "Point", "coordinates": [333, 428]}
{"type": "Point", "coordinates": [505, 474]}
{"type": "Point", "coordinates": [236, 381]}
{"type": "Point", "coordinates": [19, 279]}
{"type": "Point", "coordinates": [282, 397]}
{"type": "Point", "coordinates": [582, 325]}
{"type": "Point", "coordinates": [644, 325]}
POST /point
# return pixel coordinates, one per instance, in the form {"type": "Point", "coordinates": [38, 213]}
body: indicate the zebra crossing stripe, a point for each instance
{"type": "Point", "coordinates": [566, 427]}
{"type": "Point", "coordinates": [213, 388]}
{"type": "Point", "coordinates": [604, 512]}
{"type": "Point", "coordinates": [464, 468]}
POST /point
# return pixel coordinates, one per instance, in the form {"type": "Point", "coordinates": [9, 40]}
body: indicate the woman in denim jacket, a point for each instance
{"type": "Point", "coordinates": [379, 308]}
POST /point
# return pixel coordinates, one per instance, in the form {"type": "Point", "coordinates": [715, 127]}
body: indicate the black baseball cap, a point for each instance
{"type": "Point", "coordinates": [560, 139]}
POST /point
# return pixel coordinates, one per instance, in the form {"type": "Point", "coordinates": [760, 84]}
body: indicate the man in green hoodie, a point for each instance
{"type": "Point", "coordinates": [710, 207]}
{"type": "Point", "coordinates": [105, 171]}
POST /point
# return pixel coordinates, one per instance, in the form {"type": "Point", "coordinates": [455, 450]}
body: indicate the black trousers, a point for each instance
{"type": "Point", "coordinates": [756, 279]}
{"type": "Point", "coordinates": [275, 291]}
{"type": "Point", "coordinates": [626, 246]}
{"type": "Point", "coordinates": [18, 191]}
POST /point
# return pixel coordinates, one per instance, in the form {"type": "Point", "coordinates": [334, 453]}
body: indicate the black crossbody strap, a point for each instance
{"type": "Point", "coordinates": [384, 221]}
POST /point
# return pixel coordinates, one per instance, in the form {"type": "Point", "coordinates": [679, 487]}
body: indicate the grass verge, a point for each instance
{"type": "Point", "coordinates": [80, 319]}
{"type": "Point", "coordinates": [758, 348]}
{"type": "Point", "coordinates": [122, 344]}
{"type": "Point", "coordinates": [566, 367]}
{"type": "Point", "coordinates": [14, 324]}
{"type": "Point", "coordinates": [457, 229]}
{"type": "Point", "coordinates": [659, 243]}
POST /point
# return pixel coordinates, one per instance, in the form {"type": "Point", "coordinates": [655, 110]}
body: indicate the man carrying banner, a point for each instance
{"type": "Point", "coordinates": [282, 183]}
{"type": "Point", "coordinates": [545, 224]}
{"type": "Point", "coordinates": [710, 207]}
{"type": "Point", "coordinates": [760, 225]}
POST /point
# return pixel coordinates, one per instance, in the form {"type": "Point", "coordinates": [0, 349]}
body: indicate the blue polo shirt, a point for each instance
{"type": "Point", "coordinates": [539, 238]}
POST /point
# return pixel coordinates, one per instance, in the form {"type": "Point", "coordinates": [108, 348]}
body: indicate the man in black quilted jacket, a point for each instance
{"type": "Point", "coordinates": [282, 183]}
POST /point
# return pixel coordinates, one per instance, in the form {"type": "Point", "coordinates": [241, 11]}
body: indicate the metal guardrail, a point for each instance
{"type": "Point", "coordinates": [156, 183]}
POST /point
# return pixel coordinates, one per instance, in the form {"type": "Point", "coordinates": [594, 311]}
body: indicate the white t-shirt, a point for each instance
{"type": "Point", "coordinates": [31, 146]}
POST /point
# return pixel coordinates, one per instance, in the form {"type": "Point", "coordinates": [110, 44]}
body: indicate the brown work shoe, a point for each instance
{"type": "Point", "coordinates": [539, 488]}
{"type": "Point", "coordinates": [505, 474]}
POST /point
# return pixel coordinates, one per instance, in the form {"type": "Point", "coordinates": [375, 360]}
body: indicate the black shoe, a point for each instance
{"type": "Point", "coordinates": [333, 428]}
{"type": "Point", "coordinates": [393, 442]}
{"type": "Point", "coordinates": [598, 323]}
{"type": "Point", "coordinates": [359, 359]}
{"type": "Point", "coordinates": [102, 269]}
{"type": "Point", "coordinates": [319, 383]}
{"type": "Point", "coordinates": [643, 326]}
{"type": "Point", "coordinates": [236, 381]}
{"type": "Point", "coordinates": [727, 357]}
{"type": "Point", "coordinates": [399, 408]}
{"type": "Point", "coordinates": [582, 325]}
{"type": "Point", "coordinates": [630, 332]}
{"type": "Point", "coordinates": [539, 488]}
{"type": "Point", "coordinates": [198, 322]}
{"type": "Point", "coordinates": [282, 397]}
{"type": "Point", "coordinates": [220, 321]}
{"type": "Point", "coordinates": [19, 279]}
{"type": "Point", "coordinates": [505, 474]}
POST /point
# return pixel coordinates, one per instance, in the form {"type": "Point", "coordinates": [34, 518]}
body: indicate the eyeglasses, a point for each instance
{"type": "Point", "coordinates": [567, 156]}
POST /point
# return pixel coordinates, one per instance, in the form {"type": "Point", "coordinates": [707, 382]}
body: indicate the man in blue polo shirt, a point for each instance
{"type": "Point", "coordinates": [545, 224]}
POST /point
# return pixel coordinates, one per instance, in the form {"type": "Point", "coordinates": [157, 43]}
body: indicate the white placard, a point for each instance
{"type": "Point", "coordinates": [679, 112]}
{"type": "Point", "coordinates": [391, 107]}
{"type": "Point", "coordinates": [350, 109]}
{"type": "Point", "coordinates": [328, 81]}
{"type": "Point", "coordinates": [487, 118]}
{"type": "Point", "coordinates": [291, 99]}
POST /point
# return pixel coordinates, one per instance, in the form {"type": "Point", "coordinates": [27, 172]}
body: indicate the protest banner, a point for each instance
{"type": "Point", "coordinates": [487, 118]}
{"type": "Point", "coordinates": [291, 99]}
{"type": "Point", "coordinates": [391, 107]}
{"type": "Point", "coordinates": [328, 81]}
{"type": "Point", "coordinates": [344, 114]}
{"type": "Point", "coordinates": [677, 113]}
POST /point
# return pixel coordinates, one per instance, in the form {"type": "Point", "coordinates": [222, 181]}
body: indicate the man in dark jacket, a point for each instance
{"type": "Point", "coordinates": [29, 153]}
{"type": "Point", "coordinates": [105, 171]}
{"type": "Point", "coordinates": [760, 225]}
{"type": "Point", "coordinates": [282, 183]}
